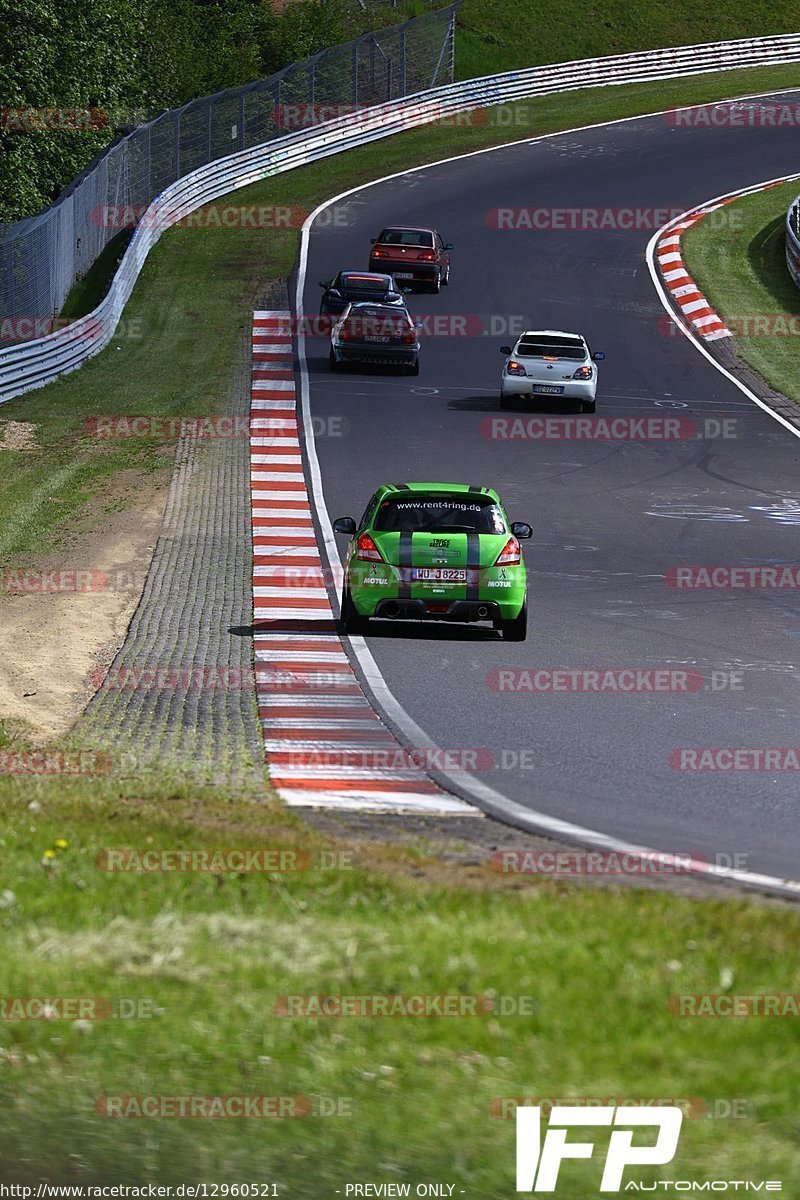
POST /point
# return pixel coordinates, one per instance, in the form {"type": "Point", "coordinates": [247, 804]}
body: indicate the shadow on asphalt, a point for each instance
{"type": "Point", "coordinates": [492, 404]}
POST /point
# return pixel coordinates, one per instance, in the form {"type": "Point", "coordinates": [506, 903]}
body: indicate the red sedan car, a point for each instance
{"type": "Point", "coordinates": [412, 256]}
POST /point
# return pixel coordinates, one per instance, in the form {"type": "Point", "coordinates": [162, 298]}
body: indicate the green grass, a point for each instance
{"type": "Point", "coordinates": [507, 35]}
{"type": "Point", "coordinates": [176, 350]}
{"type": "Point", "coordinates": [212, 955]}
{"type": "Point", "coordinates": [739, 263]}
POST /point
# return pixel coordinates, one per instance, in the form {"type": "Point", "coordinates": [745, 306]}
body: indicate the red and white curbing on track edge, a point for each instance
{"type": "Point", "coordinates": [325, 744]}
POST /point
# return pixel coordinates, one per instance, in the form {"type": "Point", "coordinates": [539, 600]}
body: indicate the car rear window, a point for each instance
{"type": "Point", "coordinates": [406, 237]}
{"type": "Point", "coordinates": [366, 283]}
{"type": "Point", "coordinates": [378, 322]}
{"type": "Point", "coordinates": [439, 514]}
{"type": "Point", "coordinates": [551, 348]}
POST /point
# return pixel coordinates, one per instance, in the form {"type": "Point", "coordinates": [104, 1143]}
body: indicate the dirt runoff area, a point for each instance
{"type": "Point", "coordinates": [64, 616]}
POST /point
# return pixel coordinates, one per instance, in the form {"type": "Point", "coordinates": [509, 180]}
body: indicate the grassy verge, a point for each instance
{"type": "Point", "coordinates": [739, 263]}
{"type": "Point", "coordinates": [202, 959]}
{"type": "Point", "coordinates": [176, 348]}
{"type": "Point", "coordinates": [507, 35]}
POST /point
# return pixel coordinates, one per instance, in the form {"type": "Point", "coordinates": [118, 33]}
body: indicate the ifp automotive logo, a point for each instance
{"type": "Point", "coordinates": [538, 1162]}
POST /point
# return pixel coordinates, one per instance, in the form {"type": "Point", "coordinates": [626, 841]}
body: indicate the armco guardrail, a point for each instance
{"type": "Point", "coordinates": [793, 241]}
{"type": "Point", "coordinates": [31, 365]}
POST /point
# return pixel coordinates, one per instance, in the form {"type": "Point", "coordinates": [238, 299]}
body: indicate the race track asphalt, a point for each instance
{"type": "Point", "coordinates": [610, 518]}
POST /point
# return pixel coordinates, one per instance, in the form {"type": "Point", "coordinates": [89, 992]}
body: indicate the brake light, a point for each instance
{"type": "Point", "coordinates": [379, 253]}
{"type": "Point", "coordinates": [583, 373]}
{"type": "Point", "coordinates": [429, 256]}
{"type": "Point", "coordinates": [550, 357]}
{"type": "Point", "coordinates": [410, 337]}
{"type": "Point", "coordinates": [509, 555]}
{"type": "Point", "coordinates": [367, 550]}
{"type": "Point", "coordinates": [345, 334]}
{"type": "Point", "coordinates": [514, 368]}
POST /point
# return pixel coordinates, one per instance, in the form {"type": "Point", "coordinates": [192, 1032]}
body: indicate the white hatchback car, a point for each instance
{"type": "Point", "coordinates": [549, 362]}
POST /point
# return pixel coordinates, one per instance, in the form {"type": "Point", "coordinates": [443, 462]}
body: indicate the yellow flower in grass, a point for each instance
{"type": "Point", "coordinates": [60, 844]}
{"type": "Point", "coordinates": [49, 854]}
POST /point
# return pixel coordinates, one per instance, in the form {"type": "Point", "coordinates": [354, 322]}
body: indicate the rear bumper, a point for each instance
{"type": "Point", "coordinates": [574, 389]}
{"type": "Point", "coordinates": [456, 610]}
{"type": "Point", "coordinates": [419, 272]}
{"type": "Point", "coordinates": [397, 356]}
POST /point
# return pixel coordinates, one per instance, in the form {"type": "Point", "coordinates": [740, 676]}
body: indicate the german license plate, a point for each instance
{"type": "Point", "coordinates": [548, 389]}
{"type": "Point", "coordinates": [403, 274]}
{"type": "Point", "coordinates": [376, 339]}
{"type": "Point", "coordinates": [439, 574]}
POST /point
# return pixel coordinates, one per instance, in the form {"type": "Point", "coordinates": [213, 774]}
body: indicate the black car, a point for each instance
{"type": "Point", "coordinates": [349, 287]}
{"type": "Point", "coordinates": [379, 334]}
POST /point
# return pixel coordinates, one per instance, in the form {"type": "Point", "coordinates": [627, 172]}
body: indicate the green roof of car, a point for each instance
{"type": "Point", "coordinates": [456, 488]}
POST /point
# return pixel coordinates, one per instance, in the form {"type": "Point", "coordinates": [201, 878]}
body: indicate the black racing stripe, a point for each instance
{"type": "Point", "coordinates": [401, 487]}
{"type": "Point", "coordinates": [474, 487]}
{"type": "Point", "coordinates": [473, 562]}
{"type": "Point", "coordinates": [404, 561]}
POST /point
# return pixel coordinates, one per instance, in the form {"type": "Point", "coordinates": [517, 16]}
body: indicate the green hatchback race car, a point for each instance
{"type": "Point", "coordinates": [435, 551]}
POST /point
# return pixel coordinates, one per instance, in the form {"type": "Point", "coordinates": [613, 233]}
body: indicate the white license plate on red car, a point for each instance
{"type": "Point", "coordinates": [403, 274]}
{"type": "Point", "coordinates": [439, 574]}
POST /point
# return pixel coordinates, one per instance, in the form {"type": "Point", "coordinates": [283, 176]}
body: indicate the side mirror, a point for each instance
{"type": "Point", "coordinates": [372, 241]}
{"type": "Point", "coordinates": [505, 349]}
{"type": "Point", "coordinates": [449, 246]}
{"type": "Point", "coordinates": [521, 529]}
{"type": "Point", "coordinates": [325, 283]}
{"type": "Point", "coordinates": [598, 356]}
{"type": "Point", "coordinates": [344, 525]}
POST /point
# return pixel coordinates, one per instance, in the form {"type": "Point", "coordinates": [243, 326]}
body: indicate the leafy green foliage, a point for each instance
{"type": "Point", "coordinates": [124, 56]}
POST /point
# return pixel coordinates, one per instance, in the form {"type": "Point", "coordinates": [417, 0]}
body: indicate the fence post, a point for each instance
{"type": "Point", "coordinates": [176, 148]}
{"type": "Point", "coordinates": [242, 142]}
{"type": "Point", "coordinates": [354, 74]}
{"type": "Point", "coordinates": [403, 55]}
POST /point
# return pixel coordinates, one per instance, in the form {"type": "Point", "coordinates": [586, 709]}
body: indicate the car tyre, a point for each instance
{"type": "Point", "coordinates": [589, 406]}
{"type": "Point", "coordinates": [515, 629]}
{"type": "Point", "coordinates": [332, 362]}
{"type": "Point", "coordinates": [353, 623]}
{"type": "Point", "coordinates": [414, 368]}
{"type": "Point", "coordinates": [436, 285]}
{"type": "Point", "coordinates": [508, 403]}
{"type": "Point", "coordinates": [446, 277]}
